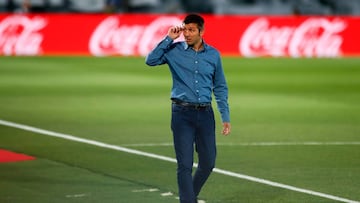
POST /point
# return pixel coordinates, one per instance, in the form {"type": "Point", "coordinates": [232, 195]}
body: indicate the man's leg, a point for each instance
{"type": "Point", "coordinates": [205, 147]}
{"type": "Point", "coordinates": [183, 129]}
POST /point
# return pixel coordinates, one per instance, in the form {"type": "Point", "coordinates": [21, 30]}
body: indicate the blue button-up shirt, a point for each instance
{"type": "Point", "coordinates": [196, 74]}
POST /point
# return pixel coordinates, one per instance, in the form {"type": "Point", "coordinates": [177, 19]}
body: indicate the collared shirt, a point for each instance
{"type": "Point", "coordinates": [196, 74]}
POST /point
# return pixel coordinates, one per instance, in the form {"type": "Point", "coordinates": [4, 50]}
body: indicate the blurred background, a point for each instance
{"type": "Point", "coordinates": [241, 7]}
{"type": "Point", "coordinates": [294, 85]}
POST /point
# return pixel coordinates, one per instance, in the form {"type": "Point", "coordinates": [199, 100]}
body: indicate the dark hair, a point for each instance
{"type": "Point", "coordinates": [195, 18]}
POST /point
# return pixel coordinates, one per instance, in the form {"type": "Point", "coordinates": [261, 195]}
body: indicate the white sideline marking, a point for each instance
{"type": "Point", "coordinates": [76, 195]}
{"type": "Point", "coordinates": [250, 144]}
{"type": "Point", "coordinates": [164, 158]}
{"type": "Point", "coordinates": [146, 190]}
{"type": "Point", "coordinates": [166, 194]}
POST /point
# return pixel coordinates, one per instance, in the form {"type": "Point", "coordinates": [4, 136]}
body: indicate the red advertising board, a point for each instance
{"type": "Point", "coordinates": [137, 34]}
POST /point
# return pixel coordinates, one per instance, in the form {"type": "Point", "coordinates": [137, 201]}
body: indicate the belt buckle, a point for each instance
{"type": "Point", "coordinates": [200, 106]}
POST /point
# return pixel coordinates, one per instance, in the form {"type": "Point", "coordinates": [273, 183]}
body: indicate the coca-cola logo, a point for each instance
{"type": "Point", "coordinates": [315, 37]}
{"type": "Point", "coordinates": [112, 38]}
{"type": "Point", "coordinates": [20, 35]}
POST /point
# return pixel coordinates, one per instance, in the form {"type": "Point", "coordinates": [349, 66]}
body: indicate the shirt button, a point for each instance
{"type": "Point", "coordinates": [197, 91]}
{"type": "Point", "coordinates": [196, 81]}
{"type": "Point", "coordinates": [196, 61]}
{"type": "Point", "coordinates": [196, 71]}
{"type": "Point", "coordinates": [199, 99]}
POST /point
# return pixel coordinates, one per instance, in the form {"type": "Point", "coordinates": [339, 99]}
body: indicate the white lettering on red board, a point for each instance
{"type": "Point", "coordinates": [20, 35]}
{"type": "Point", "coordinates": [112, 38]}
{"type": "Point", "coordinates": [315, 37]}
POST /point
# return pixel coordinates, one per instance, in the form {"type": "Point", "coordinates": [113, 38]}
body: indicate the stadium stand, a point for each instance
{"type": "Point", "coordinates": [144, 6]}
{"type": "Point", "coordinates": [239, 7]}
{"type": "Point", "coordinates": [38, 6]}
{"type": "Point", "coordinates": [198, 6]}
{"type": "Point", "coordinates": [86, 6]}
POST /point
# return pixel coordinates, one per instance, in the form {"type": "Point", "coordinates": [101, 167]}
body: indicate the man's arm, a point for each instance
{"type": "Point", "coordinates": [156, 56]}
{"type": "Point", "coordinates": [221, 96]}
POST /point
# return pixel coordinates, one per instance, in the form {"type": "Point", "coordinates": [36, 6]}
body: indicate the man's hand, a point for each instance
{"type": "Point", "coordinates": [226, 128]}
{"type": "Point", "coordinates": [175, 32]}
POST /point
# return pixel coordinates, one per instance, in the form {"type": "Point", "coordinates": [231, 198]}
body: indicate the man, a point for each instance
{"type": "Point", "coordinates": [197, 73]}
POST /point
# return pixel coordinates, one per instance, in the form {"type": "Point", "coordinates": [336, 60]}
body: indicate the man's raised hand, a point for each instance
{"type": "Point", "coordinates": [175, 32]}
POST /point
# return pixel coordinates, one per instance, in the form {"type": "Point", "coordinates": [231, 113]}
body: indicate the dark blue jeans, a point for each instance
{"type": "Point", "coordinates": [193, 127]}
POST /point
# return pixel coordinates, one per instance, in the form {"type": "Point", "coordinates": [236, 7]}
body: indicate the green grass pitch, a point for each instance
{"type": "Point", "coordinates": [294, 121]}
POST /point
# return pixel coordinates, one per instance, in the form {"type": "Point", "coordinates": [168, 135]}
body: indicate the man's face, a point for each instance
{"type": "Point", "coordinates": [192, 34]}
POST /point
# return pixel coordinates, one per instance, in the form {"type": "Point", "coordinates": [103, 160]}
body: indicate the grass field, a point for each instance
{"type": "Point", "coordinates": [294, 121]}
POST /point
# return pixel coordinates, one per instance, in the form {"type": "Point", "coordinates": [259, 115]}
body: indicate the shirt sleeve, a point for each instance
{"type": "Point", "coordinates": [157, 55]}
{"type": "Point", "coordinates": [221, 92]}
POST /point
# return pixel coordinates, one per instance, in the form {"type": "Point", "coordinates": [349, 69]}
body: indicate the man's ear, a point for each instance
{"type": "Point", "coordinates": [201, 32]}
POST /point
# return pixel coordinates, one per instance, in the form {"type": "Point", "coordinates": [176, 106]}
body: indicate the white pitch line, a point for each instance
{"type": "Point", "coordinates": [146, 190]}
{"type": "Point", "coordinates": [288, 143]}
{"type": "Point", "coordinates": [164, 158]}
{"type": "Point", "coordinates": [251, 144]}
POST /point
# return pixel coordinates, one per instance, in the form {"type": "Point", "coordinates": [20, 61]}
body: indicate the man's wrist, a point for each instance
{"type": "Point", "coordinates": [170, 38]}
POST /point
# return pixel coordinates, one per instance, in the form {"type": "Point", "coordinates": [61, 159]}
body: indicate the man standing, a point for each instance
{"type": "Point", "coordinates": [197, 73]}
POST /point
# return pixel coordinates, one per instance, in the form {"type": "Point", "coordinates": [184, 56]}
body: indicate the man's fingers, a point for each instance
{"type": "Point", "coordinates": [176, 29]}
{"type": "Point", "coordinates": [226, 129]}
